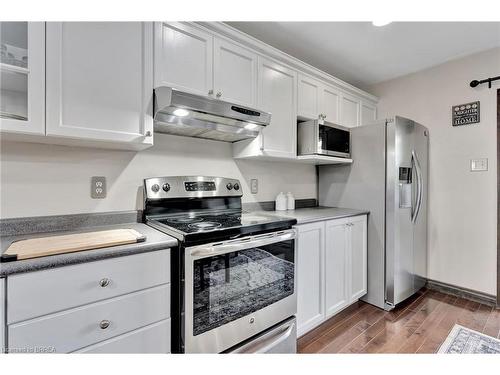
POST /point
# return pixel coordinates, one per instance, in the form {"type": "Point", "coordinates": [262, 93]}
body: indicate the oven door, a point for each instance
{"type": "Point", "coordinates": [237, 289]}
{"type": "Point", "coordinates": [334, 140]}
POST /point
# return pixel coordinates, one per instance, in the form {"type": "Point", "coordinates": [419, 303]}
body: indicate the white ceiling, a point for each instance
{"type": "Point", "coordinates": [363, 54]}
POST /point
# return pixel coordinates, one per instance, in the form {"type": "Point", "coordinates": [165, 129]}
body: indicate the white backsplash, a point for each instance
{"type": "Point", "coordinates": [40, 179]}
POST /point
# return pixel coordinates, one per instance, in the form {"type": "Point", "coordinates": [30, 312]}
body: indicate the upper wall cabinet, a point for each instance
{"type": "Point", "coordinates": [100, 81]}
{"type": "Point", "coordinates": [235, 73]}
{"type": "Point", "coordinates": [192, 60]}
{"type": "Point", "coordinates": [368, 113]}
{"type": "Point", "coordinates": [308, 98]}
{"type": "Point", "coordinates": [316, 100]}
{"type": "Point", "coordinates": [183, 58]}
{"type": "Point", "coordinates": [22, 77]}
{"type": "Point", "coordinates": [276, 94]}
{"type": "Point", "coordinates": [350, 111]}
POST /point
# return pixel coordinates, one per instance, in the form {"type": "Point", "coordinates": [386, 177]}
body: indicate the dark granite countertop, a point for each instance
{"type": "Point", "coordinates": [312, 214]}
{"type": "Point", "coordinates": [155, 240]}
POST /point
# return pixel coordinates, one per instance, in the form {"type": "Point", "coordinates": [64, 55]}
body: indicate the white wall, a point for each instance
{"type": "Point", "coordinates": [39, 179]}
{"type": "Point", "coordinates": [462, 204]}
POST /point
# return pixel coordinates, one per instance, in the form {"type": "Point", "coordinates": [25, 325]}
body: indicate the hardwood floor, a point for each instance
{"type": "Point", "coordinates": [420, 325]}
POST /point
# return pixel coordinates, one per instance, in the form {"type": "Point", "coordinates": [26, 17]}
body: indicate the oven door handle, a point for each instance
{"type": "Point", "coordinates": [214, 249]}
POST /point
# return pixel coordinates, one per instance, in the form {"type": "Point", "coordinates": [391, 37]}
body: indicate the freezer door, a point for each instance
{"type": "Point", "coordinates": [421, 161]}
{"type": "Point", "coordinates": [405, 156]}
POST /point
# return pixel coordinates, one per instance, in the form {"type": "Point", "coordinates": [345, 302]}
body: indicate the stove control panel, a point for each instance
{"type": "Point", "coordinates": [191, 187]}
{"type": "Point", "coordinates": [200, 186]}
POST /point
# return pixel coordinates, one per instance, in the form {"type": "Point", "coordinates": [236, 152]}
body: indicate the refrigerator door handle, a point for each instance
{"type": "Point", "coordinates": [418, 170]}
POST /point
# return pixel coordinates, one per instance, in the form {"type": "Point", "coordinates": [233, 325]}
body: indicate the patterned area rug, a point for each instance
{"type": "Point", "coordinates": [462, 340]}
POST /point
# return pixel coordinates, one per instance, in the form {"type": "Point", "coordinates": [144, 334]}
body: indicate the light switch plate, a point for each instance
{"type": "Point", "coordinates": [254, 186]}
{"type": "Point", "coordinates": [479, 165]}
{"type": "Point", "coordinates": [98, 187]}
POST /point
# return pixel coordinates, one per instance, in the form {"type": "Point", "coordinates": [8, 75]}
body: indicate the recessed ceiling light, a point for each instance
{"type": "Point", "coordinates": [181, 112]}
{"type": "Point", "coordinates": [380, 23]}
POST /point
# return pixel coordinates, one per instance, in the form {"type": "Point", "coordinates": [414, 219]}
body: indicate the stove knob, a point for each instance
{"type": "Point", "coordinates": [236, 187]}
{"type": "Point", "coordinates": [229, 186]}
{"type": "Point", "coordinates": [166, 187]}
{"type": "Point", "coordinates": [155, 188]}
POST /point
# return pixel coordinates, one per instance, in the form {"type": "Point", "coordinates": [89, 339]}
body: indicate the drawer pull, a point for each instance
{"type": "Point", "coordinates": [104, 324]}
{"type": "Point", "coordinates": [104, 282]}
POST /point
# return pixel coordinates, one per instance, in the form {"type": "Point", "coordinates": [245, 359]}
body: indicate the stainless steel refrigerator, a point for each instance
{"type": "Point", "coordinates": [388, 177]}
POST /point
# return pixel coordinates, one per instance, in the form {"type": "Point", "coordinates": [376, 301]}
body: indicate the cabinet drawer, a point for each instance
{"type": "Point", "coordinates": [83, 326]}
{"type": "Point", "coordinates": [154, 338]}
{"type": "Point", "coordinates": [44, 292]}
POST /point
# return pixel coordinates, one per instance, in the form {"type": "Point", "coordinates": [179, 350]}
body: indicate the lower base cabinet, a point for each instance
{"type": "Point", "coordinates": [119, 305]}
{"type": "Point", "coordinates": [154, 338]}
{"type": "Point", "coordinates": [332, 268]}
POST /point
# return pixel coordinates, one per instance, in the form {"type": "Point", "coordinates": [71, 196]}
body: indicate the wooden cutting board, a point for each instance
{"type": "Point", "coordinates": [69, 243]}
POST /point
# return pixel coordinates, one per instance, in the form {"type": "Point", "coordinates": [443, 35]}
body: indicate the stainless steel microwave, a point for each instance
{"type": "Point", "coordinates": [317, 137]}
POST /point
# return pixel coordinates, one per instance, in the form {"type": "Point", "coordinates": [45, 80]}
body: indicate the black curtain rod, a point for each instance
{"type": "Point", "coordinates": [487, 80]}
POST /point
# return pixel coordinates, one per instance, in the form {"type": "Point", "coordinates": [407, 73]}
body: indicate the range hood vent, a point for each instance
{"type": "Point", "coordinates": [181, 113]}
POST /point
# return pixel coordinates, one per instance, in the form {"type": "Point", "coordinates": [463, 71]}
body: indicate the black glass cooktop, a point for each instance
{"type": "Point", "coordinates": [217, 224]}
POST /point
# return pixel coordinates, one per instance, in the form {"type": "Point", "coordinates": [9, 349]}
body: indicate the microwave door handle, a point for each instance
{"type": "Point", "coordinates": [210, 250]}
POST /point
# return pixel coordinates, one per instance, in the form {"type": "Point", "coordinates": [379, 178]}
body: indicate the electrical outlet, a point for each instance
{"type": "Point", "coordinates": [479, 165]}
{"type": "Point", "coordinates": [254, 186]}
{"type": "Point", "coordinates": [98, 187]}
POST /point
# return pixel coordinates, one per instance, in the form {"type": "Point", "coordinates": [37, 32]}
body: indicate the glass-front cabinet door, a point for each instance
{"type": "Point", "coordinates": [22, 77]}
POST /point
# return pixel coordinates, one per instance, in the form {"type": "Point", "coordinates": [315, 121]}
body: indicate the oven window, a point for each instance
{"type": "Point", "coordinates": [230, 286]}
{"type": "Point", "coordinates": [333, 139]}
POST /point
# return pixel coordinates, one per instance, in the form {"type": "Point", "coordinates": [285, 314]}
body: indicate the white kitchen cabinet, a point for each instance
{"type": "Point", "coordinates": [74, 329]}
{"type": "Point", "coordinates": [151, 339]}
{"type": "Point", "coordinates": [112, 305]}
{"type": "Point", "coordinates": [22, 78]}
{"type": "Point", "coordinates": [310, 276]}
{"type": "Point", "coordinates": [368, 113]}
{"type": "Point", "coordinates": [336, 266]}
{"type": "Point", "coordinates": [277, 95]}
{"type": "Point", "coordinates": [308, 97]}
{"type": "Point", "coordinates": [349, 111]}
{"type": "Point", "coordinates": [332, 268]}
{"type": "Point", "coordinates": [99, 82]}
{"type": "Point", "coordinates": [183, 58]}
{"type": "Point", "coordinates": [358, 257]}
{"type": "Point", "coordinates": [2, 316]}
{"type": "Point", "coordinates": [277, 88]}
{"type": "Point", "coordinates": [235, 73]}
{"type": "Point", "coordinates": [317, 100]}
{"type": "Point", "coordinates": [44, 292]}
{"type": "Point", "coordinates": [330, 104]}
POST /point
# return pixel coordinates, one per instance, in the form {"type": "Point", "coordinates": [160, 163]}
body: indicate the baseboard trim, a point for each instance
{"type": "Point", "coordinates": [473, 295]}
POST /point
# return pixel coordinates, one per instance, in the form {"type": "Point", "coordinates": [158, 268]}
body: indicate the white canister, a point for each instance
{"type": "Point", "coordinates": [280, 204]}
{"type": "Point", "coordinates": [290, 201]}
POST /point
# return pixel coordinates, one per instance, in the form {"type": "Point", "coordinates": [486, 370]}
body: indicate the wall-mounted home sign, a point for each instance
{"type": "Point", "coordinates": [465, 114]}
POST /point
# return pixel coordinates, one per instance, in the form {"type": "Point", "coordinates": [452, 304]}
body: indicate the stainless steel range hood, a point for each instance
{"type": "Point", "coordinates": [181, 113]}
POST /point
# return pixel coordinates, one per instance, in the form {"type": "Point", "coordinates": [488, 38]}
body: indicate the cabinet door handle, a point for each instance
{"type": "Point", "coordinates": [104, 324]}
{"type": "Point", "coordinates": [104, 282]}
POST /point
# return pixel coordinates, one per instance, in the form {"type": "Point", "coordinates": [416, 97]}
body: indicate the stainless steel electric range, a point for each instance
{"type": "Point", "coordinates": [234, 272]}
